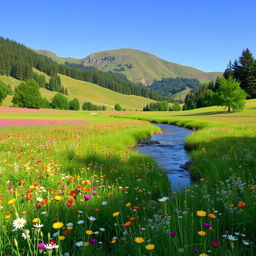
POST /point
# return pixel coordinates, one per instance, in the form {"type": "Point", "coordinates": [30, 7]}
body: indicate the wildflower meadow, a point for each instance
{"type": "Point", "coordinates": [79, 188]}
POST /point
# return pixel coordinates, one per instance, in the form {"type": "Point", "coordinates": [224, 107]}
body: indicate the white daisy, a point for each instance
{"type": "Point", "coordinates": [51, 246]}
{"type": "Point", "coordinates": [231, 238]}
{"type": "Point", "coordinates": [104, 203]}
{"type": "Point", "coordinates": [163, 199]}
{"type": "Point", "coordinates": [91, 218]}
{"type": "Point", "coordinates": [79, 244]}
{"type": "Point", "coordinates": [80, 222]}
{"type": "Point", "coordinates": [19, 223]}
{"type": "Point", "coordinates": [38, 225]}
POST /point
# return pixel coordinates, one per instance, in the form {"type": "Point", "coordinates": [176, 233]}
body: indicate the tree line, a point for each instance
{"type": "Point", "coordinates": [241, 77]}
{"type": "Point", "coordinates": [17, 61]}
{"type": "Point", "coordinates": [162, 106]}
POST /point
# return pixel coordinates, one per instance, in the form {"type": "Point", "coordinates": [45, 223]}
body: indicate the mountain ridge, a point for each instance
{"type": "Point", "coordinates": [137, 65]}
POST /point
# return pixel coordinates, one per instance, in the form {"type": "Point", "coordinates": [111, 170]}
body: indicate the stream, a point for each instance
{"type": "Point", "coordinates": [167, 148]}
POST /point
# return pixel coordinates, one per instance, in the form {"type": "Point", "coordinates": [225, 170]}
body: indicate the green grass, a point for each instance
{"type": "Point", "coordinates": [65, 159]}
{"type": "Point", "coordinates": [86, 91]}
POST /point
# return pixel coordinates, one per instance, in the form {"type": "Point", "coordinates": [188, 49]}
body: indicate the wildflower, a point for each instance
{"type": "Point", "coordinates": [70, 224]}
{"type": "Point", "coordinates": [91, 218]}
{"type": "Point", "coordinates": [51, 246]}
{"type": "Point", "coordinates": [128, 204]}
{"type": "Point", "coordinates": [201, 213]}
{"type": "Point", "coordinates": [80, 222]}
{"type": "Point", "coordinates": [150, 247]}
{"type": "Point", "coordinates": [57, 225]}
{"type": "Point", "coordinates": [207, 225]}
{"type": "Point", "coordinates": [212, 216]}
{"type": "Point", "coordinates": [196, 250]}
{"type": "Point", "coordinates": [36, 220]}
{"type": "Point", "coordinates": [102, 229]}
{"type": "Point", "coordinates": [215, 244]}
{"type": "Point", "coordinates": [104, 203]}
{"type": "Point", "coordinates": [116, 214]}
{"type": "Point", "coordinates": [88, 232]}
{"type": "Point", "coordinates": [231, 238]}
{"type": "Point", "coordinates": [61, 238]}
{"type": "Point", "coordinates": [203, 254]}
{"type": "Point", "coordinates": [113, 241]}
{"type": "Point", "coordinates": [173, 234]}
{"type": "Point", "coordinates": [86, 244]}
{"type": "Point", "coordinates": [12, 201]}
{"type": "Point", "coordinates": [19, 223]}
{"type": "Point", "coordinates": [58, 198]}
{"type": "Point", "coordinates": [139, 240]}
{"type": "Point", "coordinates": [41, 246]}
{"type": "Point", "coordinates": [132, 219]}
{"type": "Point", "coordinates": [79, 244]}
{"type": "Point", "coordinates": [246, 242]}
{"type": "Point", "coordinates": [38, 225]}
{"type": "Point", "coordinates": [127, 224]}
{"type": "Point", "coordinates": [241, 205]}
{"type": "Point", "coordinates": [163, 199]}
{"type": "Point", "coordinates": [93, 240]}
{"type": "Point", "coordinates": [135, 208]}
{"type": "Point", "coordinates": [87, 197]}
{"type": "Point", "coordinates": [201, 233]}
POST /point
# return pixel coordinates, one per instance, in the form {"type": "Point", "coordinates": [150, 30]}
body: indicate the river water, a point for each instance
{"type": "Point", "coordinates": [169, 154]}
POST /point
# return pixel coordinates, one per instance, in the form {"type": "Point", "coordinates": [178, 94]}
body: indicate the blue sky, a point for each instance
{"type": "Point", "coordinates": [203, 34]}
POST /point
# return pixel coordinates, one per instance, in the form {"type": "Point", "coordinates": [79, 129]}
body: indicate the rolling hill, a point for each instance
{"type": "Point", "coordinates": [136, 65]}
{"type": "Point", "coordinates": [85, 91]}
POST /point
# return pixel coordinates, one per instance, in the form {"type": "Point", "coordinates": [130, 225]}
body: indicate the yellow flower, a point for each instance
{"type": "Point", "coordinates": [212, 216]}
{"type": "Point", "coordinates": [86, 244]}
{"type": "Point", "coordinates": [7, 217]}
{"type": "Point", "coordinates": [113, 241]}
{"type": "Point", "coordinates": [57, 225]}
{"type": "Point", "coordinates": [88, 232]}
{"type": "Point", "coordinates": [128, 204]}
{"type": "Point", "coordinates": [201, 233]}
{"type": "Point", "coordinates": [12, 201]}
{"type": "Point", "coordinates": [139, 240]}
{"type": "Point", "coordinates": [58, 198]}
{"type": "Point", "coordinates": [36, 220]}
{"type": "Point", "coordinates": [115, 214]}
{"type": "Point", "coordinates": [201, 213]}
{"type": "Point", "coordinates": [150, 247]}
{"type": "Point", "coordinates": [203, 254]}
{"type": "Point", "coordinates": [69, 228]}
{"type": "Point", "coordinates": [61, 238]}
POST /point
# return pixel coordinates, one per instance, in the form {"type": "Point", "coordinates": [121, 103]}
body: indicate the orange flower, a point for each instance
{"type": "Point", "coordinates": [212, 216]}
{"type": "Point", "coordinates": [44, 201]}
{"type": "Point", "coordinates": [127, 224]}
{"type": "Point", "coordinates": [29, 196]}
{"type": "Point", "coordinates": [241, 204]}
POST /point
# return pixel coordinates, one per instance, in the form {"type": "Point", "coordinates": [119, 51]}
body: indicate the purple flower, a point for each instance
{"type": "Point", "coordinates": [87, 197]}
{"type": "Point", "coordinates": [94, 193]}
{"type": "Point", "coordinates": [173, 234]}
{"type": "Point", "coordinates": [93, 240]}
{"type": "Point", "coordinates": [207, 225]}
{"type": "Point", "coordinates": [94, 188]}
{"type": "Point", "coordinates": [41, 246]}
{"type": "Point", "coordinates": [196, 250]}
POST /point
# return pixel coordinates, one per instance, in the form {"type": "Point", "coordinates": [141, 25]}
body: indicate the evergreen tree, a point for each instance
{"type": "Point", "coordinates": [27, 95]}
{"type": "Point", "coordinates": [244, 70]}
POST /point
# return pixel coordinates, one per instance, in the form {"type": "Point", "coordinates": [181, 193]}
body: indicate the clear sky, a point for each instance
{"type": "Point", "coordinates": [204, 34]}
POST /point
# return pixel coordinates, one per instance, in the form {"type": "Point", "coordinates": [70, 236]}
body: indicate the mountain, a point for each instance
{"type": "Point", "coordinates": [136, 65]}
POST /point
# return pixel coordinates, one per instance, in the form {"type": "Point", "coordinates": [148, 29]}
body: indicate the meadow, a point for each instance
{"type": "Point", "coordinates": [80, 189]}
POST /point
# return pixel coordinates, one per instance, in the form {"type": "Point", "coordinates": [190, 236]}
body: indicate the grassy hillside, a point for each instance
{"type": "Point", "coordinates": [85, 91]}
{"type": "Point", "coordinates": [138, 66]}
{"type": "Point", "coordinates": [180, 96]}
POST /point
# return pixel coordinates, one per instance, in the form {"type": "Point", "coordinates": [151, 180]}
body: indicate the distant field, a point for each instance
{"type": "Point", "coordinates": [86, 91]}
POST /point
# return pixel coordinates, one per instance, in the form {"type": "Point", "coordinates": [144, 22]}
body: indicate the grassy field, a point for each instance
{"type": "Point", "coordinates": [85, 91]}
{"type": "Point", "coordinates": [95, 195]}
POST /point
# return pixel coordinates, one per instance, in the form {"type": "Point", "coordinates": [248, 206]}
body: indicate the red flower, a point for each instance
{"type": "Point", "coordinates": [215, 244]}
